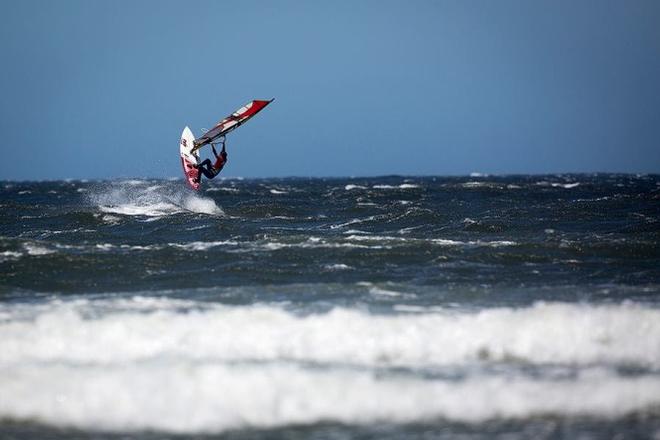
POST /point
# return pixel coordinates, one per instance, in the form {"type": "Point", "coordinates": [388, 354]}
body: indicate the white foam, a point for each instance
{"type": "Point", "coordinates": [378, 291]}
{"type": "Point", "coordinates": [186, 397]}
{"type": "Point", "coordinates": [377, 238]}
{"type": "Point", "coordinates": [201, 205]}
{"type": "Point", "coordinates": [277, 191]}
{"type": "Point", "coordinates": [181, 366]}
{"type": "Point", "coordinates": [476, 243]}
{"type": "Point", "coordinates": [203, 245]}
{"type": "Point", "coordinates": [402, 186]}
{"type": "Point", "coordinates": [222, 188]}
{"type": "Point", "coordinates": [350, 187]}
{"type": "Point", "coordinates": [337, 267]}
{"type": "Point", "coordinates": [36, 250]}
{"type": "Point", "coordinates": [310, 244]}
{"type": "Point", "coordinates": [128, 199]}
{"type": "Point", "coordinates": [148, 210]}
{"type": "Point", "coordinates": [545, 333]}
{"type": "Point", "coordinates": [110, 219]}
{"type": "Point", "coordinates": [134, 182]}
{"type": "Point", "coordinates": [566, 185]}
{"type": "Point", "coordinates": [354, 222]}
{"type": "Point", "coordinates": [9, 255]}
{"type": "Point", "coordinates": [355, 231]}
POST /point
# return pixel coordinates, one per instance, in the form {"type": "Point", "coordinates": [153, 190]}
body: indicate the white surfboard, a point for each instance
{"type": "Point", "coordinates": [189, 158]}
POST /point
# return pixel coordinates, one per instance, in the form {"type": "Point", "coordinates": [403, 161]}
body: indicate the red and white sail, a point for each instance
{"type": "Point", "coordinates": [231, 122]}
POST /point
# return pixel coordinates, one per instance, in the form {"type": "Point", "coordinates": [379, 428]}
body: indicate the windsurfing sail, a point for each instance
{"type": "Point", "coordinates": [230, 123]}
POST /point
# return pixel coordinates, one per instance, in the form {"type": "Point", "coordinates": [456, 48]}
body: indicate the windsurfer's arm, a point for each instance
{"type": "Point", "coordinates": [223, 152]}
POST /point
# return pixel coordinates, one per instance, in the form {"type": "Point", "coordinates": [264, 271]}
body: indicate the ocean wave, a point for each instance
{"type": "Point", "coordinates": [222, 188]}
{"type": "Point", "coordinates": [402, 186]}
{"type": "Point", "coordinates": [357, 221]}
{"type": "Point", "coordinates": [178, 365]}
{"type": "Point", "coordinates": [183, 397]}
{"type": "Point", "coordinates": [336, 267]}
{"type": "Point", "coordinates": [435, 241]}
{"type": "Point", "coordinates": [9, 255]}
{"type": "Point", "coordinates": [542, 334]}
{"type": "Point", "coordinates": [310, 243]}
{"type": "Point", "coordinates": [203, 245]}
{"type": "Point", "coordinates": [546, 183]}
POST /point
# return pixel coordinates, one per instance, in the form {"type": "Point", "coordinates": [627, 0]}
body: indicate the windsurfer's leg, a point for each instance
{"type": "Point", "coordinates": [207, 173]}
{"type": "Point", "coordinates": [204, 163]}
{"type": "Point", "coordinates": [207, 169]}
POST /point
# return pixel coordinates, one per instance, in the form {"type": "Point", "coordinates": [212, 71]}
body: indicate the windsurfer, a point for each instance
{"type": "Point", "coordinates": [212, 170]}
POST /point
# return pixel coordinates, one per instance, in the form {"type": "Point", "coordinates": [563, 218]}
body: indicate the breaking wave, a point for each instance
{"type": "Point", "coordinates": [102, 364]}
{"type": "Point", "coordinates": [544, 333]}
{"type": "Point", "coordinates": [206, 398]}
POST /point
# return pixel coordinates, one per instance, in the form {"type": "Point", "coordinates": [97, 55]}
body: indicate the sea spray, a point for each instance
{"type": "Point", "coordinates": [137, 198]}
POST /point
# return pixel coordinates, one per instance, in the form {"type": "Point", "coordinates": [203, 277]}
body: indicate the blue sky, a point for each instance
{"type": "Point", "coordinates": [102, 89]}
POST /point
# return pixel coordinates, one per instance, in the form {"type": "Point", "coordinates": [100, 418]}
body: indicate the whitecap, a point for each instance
{"type": "Point", "coordinates": [474, 184]}
{"type": "Point", "coordinates": [566, 185]}
{"type": "Point", "coordinates": [133, 182]}
{"type": "Point", "coordinates": [337, 267]}
{"type": "Point", "coordinates": [354, 221]}
{"type": "Point", "coordinates": [37, 250]}
{"type": "Point", "coordinates": [149, 210]}
{"type": "Point", "coordinates": [202, 205]}
{"type": "Point", "coordinates": [378, 291]}
{"type": "Point", "coordinates": [402, 186]}
{"type": "Point", "coordinates": [377, 238]}
{"type": "Point", "coordinates": [222, 188]}
{"type": "Point", "coordinates": [9, 255]}
{"type": "Point", "coordinates": [446, 242]}
{"type": "Point", "coordinates": [203, 245]}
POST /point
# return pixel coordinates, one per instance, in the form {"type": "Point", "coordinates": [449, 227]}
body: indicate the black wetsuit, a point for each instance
{"type": "Point", "coordinates": [209, 169]}
{"type": "Point", "coordinates": [206, 168]}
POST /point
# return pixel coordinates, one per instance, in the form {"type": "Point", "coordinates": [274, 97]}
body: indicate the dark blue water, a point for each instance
{"type": "Point", "coordinates": [388, 307]}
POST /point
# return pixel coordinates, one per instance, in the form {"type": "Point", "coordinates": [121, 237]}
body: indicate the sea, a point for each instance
{"type": "Point", "coordinates": [393, 307]}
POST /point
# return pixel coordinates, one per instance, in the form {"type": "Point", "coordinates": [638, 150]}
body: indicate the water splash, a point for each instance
{"type": "Point", "coordinates": [140, 198]}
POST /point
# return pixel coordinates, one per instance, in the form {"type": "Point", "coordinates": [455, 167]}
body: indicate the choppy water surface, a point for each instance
{"type": "Point", "coordinates": [389, 307]}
